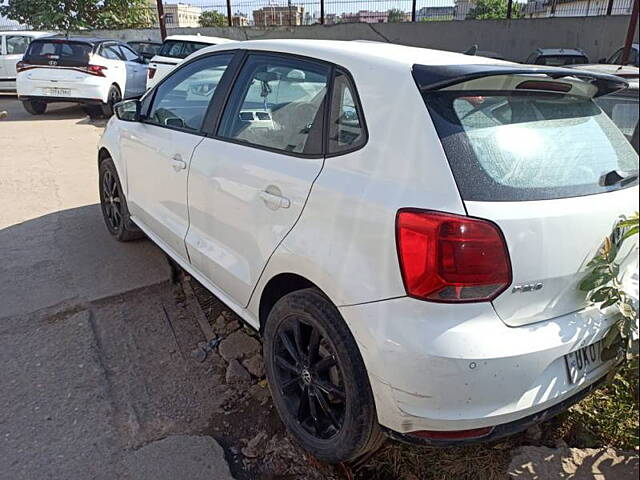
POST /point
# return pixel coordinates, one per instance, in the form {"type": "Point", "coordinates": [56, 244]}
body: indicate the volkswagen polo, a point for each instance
{"type": "Point", "coordinates": [406, 228]}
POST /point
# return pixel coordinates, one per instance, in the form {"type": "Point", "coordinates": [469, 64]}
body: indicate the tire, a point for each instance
{"type": "Point", "coordinates": [34, 107]}
{"type": "Point", "coordinates": [113, 97]}
{"type": "Point", "coordinates": [306, 382]}
{"type": "Point", "coordinates": [93, 111]}
{"type": "Point", "coordinates": [114, 205]}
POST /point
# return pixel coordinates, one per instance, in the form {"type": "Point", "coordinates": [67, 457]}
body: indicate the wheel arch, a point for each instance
{"type": "Point", "coordinates": [277, 287]}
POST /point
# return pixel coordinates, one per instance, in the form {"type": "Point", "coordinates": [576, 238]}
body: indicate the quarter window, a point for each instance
{"type": "Point", "coordinates": [181, 101]}
{"type": "Point", "coordinates": [277, 103]}
{"type": "Point", "coordinates": [17, 45]}
{"type": "Point", "coordinates": [346, 128]}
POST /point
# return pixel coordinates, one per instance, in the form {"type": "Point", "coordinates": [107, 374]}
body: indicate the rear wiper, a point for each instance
{"type": "Point", "coordinates": [615, 177]}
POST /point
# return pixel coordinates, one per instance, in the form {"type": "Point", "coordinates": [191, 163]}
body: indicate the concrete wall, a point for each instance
{"type": "Point", "coordinates": [515, 39]}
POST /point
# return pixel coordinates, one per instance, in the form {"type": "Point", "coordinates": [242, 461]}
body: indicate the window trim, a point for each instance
{"type": "Point", "coordinates": [356, 98]}
{"type": "Point", "coordinates": [152, 92]}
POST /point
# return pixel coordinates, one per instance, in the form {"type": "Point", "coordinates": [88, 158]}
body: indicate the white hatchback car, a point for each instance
{"type": "Point", "coordinates": [96, 73]}
{"type": "Point", "coordinates": [12, 48]}
{"type": "Point", "coordinates": [174, 50]}
{"type": "Point", "coordinates": [406, 228]}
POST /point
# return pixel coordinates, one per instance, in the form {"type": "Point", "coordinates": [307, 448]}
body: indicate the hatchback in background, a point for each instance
{"type": "Point", "coordinates": [174, 49]}
{"type": "Point", "coordinates": [406, 228]}
{"type": "Point", "coordinates": [93, 72]}
{"type": "Point", "coordinates": [13, 45]}
{"type": "Point", "coordinates": [146, 50]}
{"type": "Point", "coordinates": [616, 58]}
{"type": "Point", "coordinates": [557, 57]}
{"type": "Point", "coordinates": [621, 106]}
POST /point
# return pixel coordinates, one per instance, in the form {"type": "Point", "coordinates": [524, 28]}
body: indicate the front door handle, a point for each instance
{"type": "Point", "coordinates": [177, 163]}
{"type": "Point", "coordinates": [274, 201]}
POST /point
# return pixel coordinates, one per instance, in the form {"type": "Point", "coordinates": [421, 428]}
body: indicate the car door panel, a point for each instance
{"type": "Point", "coordinates": [3, 70]}
{"type": "Point", "coordinates": [242, 203]}
{"type": "Point", "coordinates": [249, 184]}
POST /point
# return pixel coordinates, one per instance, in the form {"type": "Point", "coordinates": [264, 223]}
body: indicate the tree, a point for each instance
{"type": "Point", "coordinates": [70, 15]}
{"type": "Point", "coordinates": [395, 15]}
{"type": "Point", "coordinates": [212, 18]}
{"type": "Point", "coordinates": [492, 10]}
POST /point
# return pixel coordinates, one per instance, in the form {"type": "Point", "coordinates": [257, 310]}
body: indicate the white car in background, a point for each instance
{"type": "Point", "coordinates": [176, 48]}
{"type": "Point", "coordinates": [96, 73]}
{"type": "Point", "coordinates": [406, 228]}
{"type": "Point", "coordinates": [13, 45]}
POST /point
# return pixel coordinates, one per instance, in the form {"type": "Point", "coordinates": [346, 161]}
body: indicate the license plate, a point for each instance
{"type": "Point", "coordinates": [58, 92]}
{"type": "Point", "coordinates": [583, 361]}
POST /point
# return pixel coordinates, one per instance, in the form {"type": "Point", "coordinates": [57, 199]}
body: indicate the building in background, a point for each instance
{"type": "Point", "coordinates": [239, 19]}
{"type": "Point", "coordinates": [574, 8]}
{"type": "Point", "coordinates": [181, 15]}
{"type": "Point", "coordinates": [279, 16]}
{"type": "Point", "coordinates": [435, 13]}
{"type": "Point", "coordinates": [365, 16]}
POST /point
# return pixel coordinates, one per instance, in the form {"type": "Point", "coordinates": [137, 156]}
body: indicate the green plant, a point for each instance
{"type": "Point", "coordinates": [604, 287]}
{"type": "Point", "coordinates": [211, 18]}
{"type": "Point", "coordinates": [395, 15]}
{"type": "Point", "coordinates": [492, 10]}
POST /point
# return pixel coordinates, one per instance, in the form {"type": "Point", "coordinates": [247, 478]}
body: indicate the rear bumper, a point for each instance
{"type": "Point", "coordinates": [84, 101]}
{"type": "Point", "coordinates": [85, 89]}
{"type": "Point", "coordinates": [445, 367]}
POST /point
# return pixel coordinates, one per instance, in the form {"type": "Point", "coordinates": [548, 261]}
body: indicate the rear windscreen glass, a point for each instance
{"type": "Point", "coordinates": [560, 60]}
{"type": "Point", "coordinates": [509, 146]}
{"type": "Point", "coordinates": [58, 53]}
{"type": "Point", "coordinates": [180, 49]}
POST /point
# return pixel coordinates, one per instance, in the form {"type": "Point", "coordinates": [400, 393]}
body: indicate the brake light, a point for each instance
{"type": "Point", "coordinates": [451, 258]}
{"type": "Point", "coordinates": [152, 72]}
{"type": "Point", "coordinates": [97, 70]}
{"type": "Point", "coordinates": [20, 66]}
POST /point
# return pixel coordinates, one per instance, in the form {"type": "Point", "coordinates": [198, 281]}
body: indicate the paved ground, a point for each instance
{"type": "Point", "coordinates": [96, 378]}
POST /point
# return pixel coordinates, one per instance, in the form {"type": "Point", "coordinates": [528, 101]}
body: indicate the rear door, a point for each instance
{"type": "Point", "coordinates": [15, 47]}
{"type": "Point", "coordinates": [4, 78]}
{"type": "Point", "coordinates": [533, 160]}
{"type": "Point", "coordinates": [248, 184]}
{"type": "Point", "coordinates": [158, 150]}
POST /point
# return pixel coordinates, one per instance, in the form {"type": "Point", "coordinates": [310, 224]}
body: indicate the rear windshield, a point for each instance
{"type": "Point", "coordinates": [58, 53]}
{"type": "Point", "coordinates": [180, 49]}
{"type": "Point", "coordinates": [510, 146]}
{"type": "Point", "coordinates": [560, 60]}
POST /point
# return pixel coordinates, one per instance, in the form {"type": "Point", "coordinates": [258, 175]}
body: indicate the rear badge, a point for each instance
{"type": "Point", "coordinates": [528, 287]}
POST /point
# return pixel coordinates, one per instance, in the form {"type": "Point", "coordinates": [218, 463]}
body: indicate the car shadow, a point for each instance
{"type": "Point", "coordinates": [69, 257]}
{"type": "Point", "coordinates": [10, 103]}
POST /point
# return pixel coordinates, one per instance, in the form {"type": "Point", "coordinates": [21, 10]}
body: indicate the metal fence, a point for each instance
{"type": "Point", "coordinates": [267, 13]}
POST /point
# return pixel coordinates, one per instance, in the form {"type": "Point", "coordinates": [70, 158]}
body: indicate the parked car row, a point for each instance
{"type": "Point", "coordinates": [409, 244]}
{"type": "Point", "coordinates": [94, 72]}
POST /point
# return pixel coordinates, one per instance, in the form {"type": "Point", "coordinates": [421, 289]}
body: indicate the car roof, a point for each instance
{"type": "Point", "coordinates": [198, 38]}
{"type": "Point", "coordinates": [28, 33]}
{"type": "Point", "coordinates": [560, 51]}
{"type": "Point", "coordinates": [89, 40]}
{"type": "Point", "coordinates": [346, 52]}
{"type": "Point", "coordinates": [628, 72]}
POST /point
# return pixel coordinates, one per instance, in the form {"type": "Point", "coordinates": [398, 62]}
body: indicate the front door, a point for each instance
{"type": "Point", "coordinates": [136, 72]}
{"type": "Point", "coordinates": [249, 184]}
{"type": "Point", "coordinates": [158, 150]}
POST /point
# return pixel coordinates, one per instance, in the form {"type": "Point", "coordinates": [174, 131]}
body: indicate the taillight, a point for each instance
{"type": "Point", "coordinates": [97, 70]}
{"type": "Point", "coordinates": [152, 72]}
{"type": "Point", "coordinates": [20, 66]}
{"type": "Point", "coordinates": [451, 258]}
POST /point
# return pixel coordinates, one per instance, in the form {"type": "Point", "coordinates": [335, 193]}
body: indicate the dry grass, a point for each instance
{"type": "Point", "coordinates": [405, 462]}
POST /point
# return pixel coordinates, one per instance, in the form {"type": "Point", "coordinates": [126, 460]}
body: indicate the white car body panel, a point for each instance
{"type": "Point", "coordinates": [431, 366]}
{"type": "Point", "coordinates": [163, 65]}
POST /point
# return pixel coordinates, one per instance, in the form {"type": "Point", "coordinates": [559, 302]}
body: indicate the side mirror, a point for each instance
{"type": "Point", "coordinates": [128, 111]}
{"type": "Point", "coordinates": [174, 122]}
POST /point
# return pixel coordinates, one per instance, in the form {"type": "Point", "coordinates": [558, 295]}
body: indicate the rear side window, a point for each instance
{"type": "Point", "coordinates": [110, 52]}
{"type": "Point", "coordinates": [509, 146]}
{"type": "Point", "coordinates": [180, 49]}
{"type": "Point", "coordinates": [58, 53]}
{"type": "Point", "coordinates": [346, 124]}
{"type": "Point", "coordinates": [17, 44]}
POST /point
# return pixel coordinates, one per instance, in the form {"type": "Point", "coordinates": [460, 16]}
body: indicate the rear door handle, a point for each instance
{"type": "Point", "coordinates": [177, 163]}
{"type": "Point", "coordinates": [275, 201]}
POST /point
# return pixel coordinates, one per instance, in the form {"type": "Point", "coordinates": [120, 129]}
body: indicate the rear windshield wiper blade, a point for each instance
{"type": "Point", "coordinates": [618, 177]}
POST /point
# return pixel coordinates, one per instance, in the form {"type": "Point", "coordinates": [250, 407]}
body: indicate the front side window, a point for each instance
{"type": "Point", "coordinates": [346, 128]}
{"type": "Point", "coordinates": [17, 44]}
{"type": "Point", "coordinates": [277, 103]}
{"type": "Point", "coordinates": [510, 146]}
{"type": "Point", "coordinates": [181, 101]}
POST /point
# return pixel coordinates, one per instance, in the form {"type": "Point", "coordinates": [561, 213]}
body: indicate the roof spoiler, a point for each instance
{"type": "Point", "coordinates": [436, 77]}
